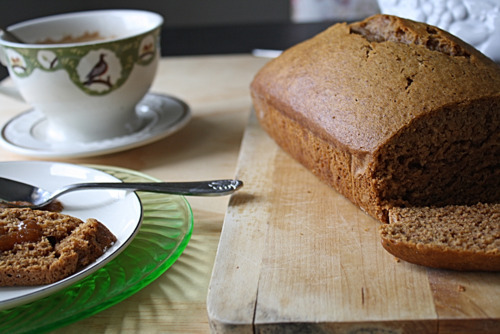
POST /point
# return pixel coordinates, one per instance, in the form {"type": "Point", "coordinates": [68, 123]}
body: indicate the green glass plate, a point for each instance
{"type": "Point", "coordinates": [165, 232]}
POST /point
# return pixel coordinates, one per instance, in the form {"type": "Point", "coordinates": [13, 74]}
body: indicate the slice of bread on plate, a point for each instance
{"type": "Point", "coordinates": [40, 247]}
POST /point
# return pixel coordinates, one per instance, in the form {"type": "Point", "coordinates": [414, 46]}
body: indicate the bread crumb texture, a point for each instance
{"type": "Point", "coordinates": [453, 237]}
{"type": "Point", "coordinates": [39, 247]}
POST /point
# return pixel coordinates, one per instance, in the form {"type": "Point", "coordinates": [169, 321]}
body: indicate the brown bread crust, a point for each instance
{"type": "Point", "coordinates": [65, 245]}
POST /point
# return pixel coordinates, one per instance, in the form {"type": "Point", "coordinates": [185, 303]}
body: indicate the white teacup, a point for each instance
{"type": "Point", "coordinates": [85, 71]}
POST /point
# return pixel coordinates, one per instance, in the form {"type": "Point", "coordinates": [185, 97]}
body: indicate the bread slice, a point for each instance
{"type": "Point", "coordinates": [40, 247]}
{"type": "Point", "coordinates": [457, 237]}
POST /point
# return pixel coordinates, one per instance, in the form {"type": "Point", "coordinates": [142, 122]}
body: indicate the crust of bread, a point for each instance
{"type": "Point", "coordinates": [436, 257]}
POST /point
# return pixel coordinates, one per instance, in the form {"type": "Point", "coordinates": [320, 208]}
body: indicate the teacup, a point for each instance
{"type": "Point", "coordinates": [85, 71]}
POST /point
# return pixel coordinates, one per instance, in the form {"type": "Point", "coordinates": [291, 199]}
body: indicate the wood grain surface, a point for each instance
{"type": "Point", "coordinates": [216, 89]}
{"type": "Point", "coordinates": [295, 256]}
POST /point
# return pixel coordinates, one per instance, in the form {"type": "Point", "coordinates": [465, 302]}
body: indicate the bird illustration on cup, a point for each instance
{"type": "Point", "coordinates": [96, 73]}
{"type": "Point", "coordinates": [99, 70]}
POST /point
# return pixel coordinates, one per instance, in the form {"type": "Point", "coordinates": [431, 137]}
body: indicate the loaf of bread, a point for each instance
{"type": "Point", "coordinates": [40, 247]}
{"type": "Point", "coordinates": [388, 111]}
{"type": "Point", "coordinates": [458, 237]}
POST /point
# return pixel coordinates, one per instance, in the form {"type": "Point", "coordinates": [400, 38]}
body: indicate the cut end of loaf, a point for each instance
{"type": "Point", "coordinates": [448, 157]}
{"type": "Point", "coordinates": [452, 237]}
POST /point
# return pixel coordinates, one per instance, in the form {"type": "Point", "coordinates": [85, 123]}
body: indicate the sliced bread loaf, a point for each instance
{"type": "Point", "coordinates": [388, 111]}
{"type": "Point", "coordinates": [396, 113]}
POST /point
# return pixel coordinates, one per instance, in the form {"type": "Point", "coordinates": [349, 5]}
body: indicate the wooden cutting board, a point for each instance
{"type": "Point", "coordinates": [297, 257]}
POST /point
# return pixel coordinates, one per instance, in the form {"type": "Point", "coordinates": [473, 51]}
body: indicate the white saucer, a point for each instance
{"type": "Point", "coordinates": [160, 116]}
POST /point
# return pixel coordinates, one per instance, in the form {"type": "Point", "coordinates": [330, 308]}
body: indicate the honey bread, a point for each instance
{"type": "Point", "coordinates": [40, 247]}
{"type": "Point", "coordinates": [388, 111]}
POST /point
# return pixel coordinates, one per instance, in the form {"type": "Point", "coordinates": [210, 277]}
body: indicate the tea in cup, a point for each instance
{"type": "Point", "coordinates": [85, 71]}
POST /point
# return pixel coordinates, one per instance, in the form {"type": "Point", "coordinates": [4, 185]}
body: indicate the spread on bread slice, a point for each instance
{"type": "Point", "coordinates": [41, 247]}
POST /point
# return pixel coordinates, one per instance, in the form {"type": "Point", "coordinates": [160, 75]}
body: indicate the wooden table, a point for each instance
{"type": "Point", "coordinates": [292, 254]}
{"type": "Point", "coordinates": [216, 88]}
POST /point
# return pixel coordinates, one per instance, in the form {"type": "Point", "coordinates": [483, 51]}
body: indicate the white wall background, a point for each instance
{"type": "Point", "coordinates": [317, 10]}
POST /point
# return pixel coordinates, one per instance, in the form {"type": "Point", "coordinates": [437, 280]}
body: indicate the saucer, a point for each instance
{"type": "Point", "coordinates": [160, 115]}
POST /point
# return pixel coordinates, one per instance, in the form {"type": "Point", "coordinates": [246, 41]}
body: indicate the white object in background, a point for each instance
{"type": "Point", "coordinates": [477, 22]}
{"type": "Point", "coordinates": [321, 10]}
